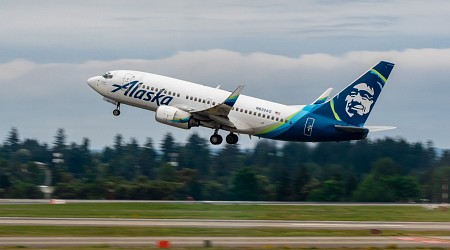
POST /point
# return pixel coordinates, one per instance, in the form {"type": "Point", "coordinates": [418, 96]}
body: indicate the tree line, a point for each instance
{"type": "Point", "coordinates": [382, 170]}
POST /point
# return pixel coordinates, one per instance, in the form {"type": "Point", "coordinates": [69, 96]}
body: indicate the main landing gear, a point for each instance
{"type": "Point", "coordinates": [216, 139]}
{"type": "Point", "coordinates": [116, 111]}
{"type": "Point", "coordinates": [232, 138]}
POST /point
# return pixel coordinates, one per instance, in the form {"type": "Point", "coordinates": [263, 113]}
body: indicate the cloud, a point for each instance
{"type": "Point", "coordinates": [39, 98]}
{"type": "Point", "coordinates": [68, 31]}
{"type": "Point", "coordinates": [15, 69]}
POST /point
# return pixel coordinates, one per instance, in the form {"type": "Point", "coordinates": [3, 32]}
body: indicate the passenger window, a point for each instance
{"type": "Point", "coordinates": [151, 88]}
{"type": "Point", "coordinates": [259, 114]}
{"type": "Point", "coordinates": [290, 122]}
{"type": "Point", "coordinates": [187, 97]}
{"type": "Point", "coordinates": [277, 119]}
{"type": "Point", "coordinates": [156, 89]}
{"type": "Point", "coordinates": [207, 102]}
{"type": "Point", "coordinates": [245, 111]}
{"type": "Point", "coordinates": [178, 95]}
{"type": "Point", "coordinates": [195, 99]}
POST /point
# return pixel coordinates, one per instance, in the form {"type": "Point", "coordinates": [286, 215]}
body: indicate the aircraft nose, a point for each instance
{"type": "Point", "coordinates": [91, 81]}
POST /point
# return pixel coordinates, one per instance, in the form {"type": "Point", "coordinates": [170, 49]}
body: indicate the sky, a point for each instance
{"type": "Point", "coordinates": [283, 51]}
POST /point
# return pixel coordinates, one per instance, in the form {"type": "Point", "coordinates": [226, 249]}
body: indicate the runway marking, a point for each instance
{"type": "Point", "coordinates": [424, 240]}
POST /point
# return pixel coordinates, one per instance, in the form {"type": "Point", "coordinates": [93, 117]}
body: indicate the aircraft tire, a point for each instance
{"type": "Point", "coordinates": [232, 139]}
{"type": "Point", "coordinates": [116, 112]}
{"type": "Point", "coordinates": [216, 139]}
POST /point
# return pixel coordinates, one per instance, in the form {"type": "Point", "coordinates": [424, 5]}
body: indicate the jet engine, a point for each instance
{"type": "Point", "coordinates": [175, 117]}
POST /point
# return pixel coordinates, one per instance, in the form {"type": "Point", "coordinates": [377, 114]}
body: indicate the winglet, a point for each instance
{"type": "Point", "coordinates": [231, 100]}
{"type": "Point", "coordinates": [323, 97]}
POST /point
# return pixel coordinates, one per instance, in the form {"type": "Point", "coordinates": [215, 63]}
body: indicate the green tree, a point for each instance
{"type": "Point", "coordinates": [12, 142]}
{"type": "Point", "coordinates": [60, 143]}
{"type": "Point", "coordinates": [329, 190]}
{"type": "Point", "coordinates": [226, 162]}
{"type": "Point", "coordinates": [195, 155]}
{"type": "Point", "coordinates": [301, 178]}
{"type": "Point", "coordinates": [385, 184]}
{"type": "Point", "coordinates": [169, 149]}
{"type": "Point", "coordinates": [245, 186]}
{"type": "Point", "coordinates": [147, 159]}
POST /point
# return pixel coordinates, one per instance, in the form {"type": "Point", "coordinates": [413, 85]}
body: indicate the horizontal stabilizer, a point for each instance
{"type": "Point", "coordinates": [379, 128]}
{"type": "Point", "coordinates": [356, 129]}
{"type": "Point", "coordinates": [351, 129]}
{"type": "Point", "coordinates": [323, 97]}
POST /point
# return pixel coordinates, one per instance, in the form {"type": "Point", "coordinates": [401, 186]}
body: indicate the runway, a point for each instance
{"type": "Point", "coordinates": [318, 242]}
{"type": "Point", "coordinates": [342, 225]}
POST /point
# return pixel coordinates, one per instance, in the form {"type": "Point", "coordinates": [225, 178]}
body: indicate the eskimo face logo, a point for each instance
{"type": "Point", "coordinates": [360, 100]}
{"type": "Point", "coordinates": [132, 90]}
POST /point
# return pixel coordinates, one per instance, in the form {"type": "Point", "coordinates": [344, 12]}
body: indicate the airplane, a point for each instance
{"type": "Point", "coordinates": [185, 105]}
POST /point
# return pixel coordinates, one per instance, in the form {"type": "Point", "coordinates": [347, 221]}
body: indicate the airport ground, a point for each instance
{"type": "Point", "coordinates": [194, 225]}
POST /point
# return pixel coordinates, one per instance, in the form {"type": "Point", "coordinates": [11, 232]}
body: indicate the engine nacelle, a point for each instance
{"type": "Point", "coordinates": [175, 117]}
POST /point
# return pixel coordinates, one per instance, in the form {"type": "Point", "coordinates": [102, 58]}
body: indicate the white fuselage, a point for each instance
{"type": "Point", "coordinates": [249, 115]}
{"type": "Point", "coordinates": [185, 105]}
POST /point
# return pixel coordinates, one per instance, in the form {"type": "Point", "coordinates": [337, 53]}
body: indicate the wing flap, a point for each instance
{"type": "Point", "coordinates": [222, 120]}
{"type": "Point", "coordinates": [219, 113]}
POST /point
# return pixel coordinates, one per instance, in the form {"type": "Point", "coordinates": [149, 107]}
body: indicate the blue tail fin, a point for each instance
{"type": "Point", "coordinates": [354, 104]}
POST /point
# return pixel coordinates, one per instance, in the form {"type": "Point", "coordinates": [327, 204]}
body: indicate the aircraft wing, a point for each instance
{"type": "Point", "coordinates": [219, 113]}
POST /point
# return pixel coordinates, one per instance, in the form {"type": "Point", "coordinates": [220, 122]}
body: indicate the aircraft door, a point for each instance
{"type": "Point", "coordinates": [309, 126]}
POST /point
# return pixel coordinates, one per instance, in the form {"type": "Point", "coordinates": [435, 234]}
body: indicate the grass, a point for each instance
{"type": "Point", "coordinates": [211, 211]}
{"type": "Point", "coordinates": [235, 211]}
{"type": "Point", "coordinates": [84, 231]}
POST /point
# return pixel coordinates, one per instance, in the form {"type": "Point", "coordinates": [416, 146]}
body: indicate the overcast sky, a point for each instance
{"type": "Point", "coordinates": [283, 51]}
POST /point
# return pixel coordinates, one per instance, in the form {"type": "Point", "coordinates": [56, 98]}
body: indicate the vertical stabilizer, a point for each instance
{"type": "Point", "coordinates": [354, 104]}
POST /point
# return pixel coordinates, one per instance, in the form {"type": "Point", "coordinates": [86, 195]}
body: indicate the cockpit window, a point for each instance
{"type": "Point", "coordinates": [107, 75]}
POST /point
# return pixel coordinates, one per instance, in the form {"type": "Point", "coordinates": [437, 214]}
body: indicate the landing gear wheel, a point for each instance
{"type": "Point", "coordinates": [116, 111]}
{"type": "Point", "coordinates": [232, 139]}
{"type": "Point", "coordinates": [216, 139]}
